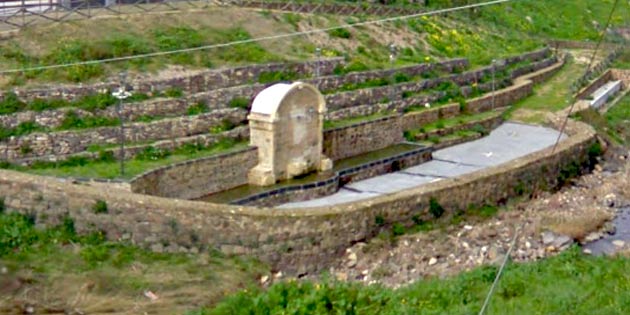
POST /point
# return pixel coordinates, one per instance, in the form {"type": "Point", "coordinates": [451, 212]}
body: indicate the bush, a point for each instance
{"type": "Point", "coordinates": [435, 208]}
{"type": "Point", "coordinates": [11, 104]}
{"type": "Point", "coordinates": [275, 76]}
{"type": "Point", "coordinates": [174, 92]}
{"type": "Point", "coordinates": [197, 109]}
{"type": "Point", "coordinates": [340, 33]}
{"type": "Point", "coordinates": [73, 121]}
{"type": "Point", "coordinates": [151, 153]}
{"type": "Point", "coordinates": [240, 102]}
{"type": "Point", "coordinates": [478, 128]}
{"type": "Point", "coordinates": [400, 77]}
{"type": "Point", "coordinates": [398, 229]}
{"type": "Point", "coordinates": [100, 207]}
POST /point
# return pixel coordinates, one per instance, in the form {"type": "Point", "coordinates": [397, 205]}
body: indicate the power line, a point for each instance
{"type": "Point", "coordinates": [588, 68]}
{"type": "Point", "coordinates": [254, 40]}
{"type": "Point", "coordinates": [498, 276]}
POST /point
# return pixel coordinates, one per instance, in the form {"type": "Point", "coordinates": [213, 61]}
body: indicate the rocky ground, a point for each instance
{"type": "Point", "coordinates": [545, 225]}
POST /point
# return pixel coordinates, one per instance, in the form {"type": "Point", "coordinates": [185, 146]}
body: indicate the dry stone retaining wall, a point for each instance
{"type": "Point", "coordinates": [194, 83]}
{"type": "Point", "coordinates": [294, 240]}
{"type": "Point", "coordinates": [343, 142]}
{"type": "Point", "coordinates": [197, 178]}
{"type": "Point", "coordinates": [68, 142]}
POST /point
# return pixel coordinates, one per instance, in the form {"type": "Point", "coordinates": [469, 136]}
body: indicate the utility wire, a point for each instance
{"type": "Point", "coordinates": [254, 40]}
{"type": "Point", "coordinates": [588, 68]}
{"type": "Point", "coordinates": [498, 276]}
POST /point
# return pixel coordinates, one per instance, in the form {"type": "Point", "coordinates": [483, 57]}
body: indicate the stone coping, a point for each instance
{"type": "Point", "coordinates": [579, 134]}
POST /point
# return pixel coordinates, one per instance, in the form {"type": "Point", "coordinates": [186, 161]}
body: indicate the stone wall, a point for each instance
{"type": "Point", "coordinates": [220, 98]}
{"type": "Point", "coordinates": [294, 240]}
{"type": "Point", "coordinates": [623, 75]}
{"type": "Point", "coordinates": [340, 178]}
{"type": "Point", "coordinates": [193, 83]}
{"type": "Point", "coordinates": [329, 8]}
{"type": "Point", "coordinates": [74, 141]}
{"type": "Point", "coordinates": [343, 142]}
{"type": "Point", "coordinates": [217, 98]}
{"type": "Point", "coordinates": [196, 178]}
{"type": "Point", "coordinates": [586, 92]}
{"type": "Point", "coordinates": [488, 123]}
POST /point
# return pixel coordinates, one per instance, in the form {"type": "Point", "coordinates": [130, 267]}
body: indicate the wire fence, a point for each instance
{"type": "Point", "coordinates": [17, 14]}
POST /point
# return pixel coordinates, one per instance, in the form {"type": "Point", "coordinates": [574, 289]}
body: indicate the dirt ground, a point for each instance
{"type": "Point", "coordinates": [545, 225]}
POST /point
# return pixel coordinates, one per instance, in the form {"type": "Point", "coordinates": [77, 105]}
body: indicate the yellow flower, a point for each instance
{"type": "Point", "coordinates": [427, 58]}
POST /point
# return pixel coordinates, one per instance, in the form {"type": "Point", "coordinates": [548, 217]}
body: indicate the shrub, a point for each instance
{"type": "Point", "coordinates": [398, 229]}
{"type": "Point", "coordinates": [239, 102]}
{"type": "Point", "coordinates": [275, 76]}
{"type": "Point", "coordinates": [379, 220]}
{"type": "Point", "coordinates": [73, 121]}
{"type": "Point", "coordinates": [17, 232]}
{"type": "Point", "coordinates": [96, 101]}
{"type": "Point", "coordinates": [435, 208]}
{"type": "Point", "coordinates": [340, 33]}
{"type": "Point", "coordinates": [11, 104]}
{"type": "Point", "coordinates": [174, 92]}
{"type": "Point", "coordinates": [224, 126]}
{"type": "Point", "coordinates": [2, 205]}
{"type": "Point", "coordinates": [100, 207]}
{"type": "Point", "coordinates": [400, 77]}
{"type": "Point", "coordinates": [594, 151]}
{"type": "Point", "coordinates": [151, 153]}
{"type": "Point", "coordinates": [41, 105]}
{"type": "Point", "coordinates": [197, 109]}
{"type": "Point", "coordinates": [478, 128]}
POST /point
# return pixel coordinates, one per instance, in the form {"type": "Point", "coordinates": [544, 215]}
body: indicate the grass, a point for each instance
{"type": "Point", "coordinates": [492, 32]}
{"type": "Point", "coordinates": [570, 283]}
{"type": "Point", "coordinates": [105, 166]}
{"type": "Point", "coordinates": [53, 267]}
{"type": "Point", "coordinates": [451, 122]}
{"type": "Point", "coordinates": [553, 94]}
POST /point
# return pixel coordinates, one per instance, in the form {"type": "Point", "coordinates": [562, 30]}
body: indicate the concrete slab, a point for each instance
{"type": "Point", "coordinates": [342, 196]}
{"type": "Point", "coordinates": [437, 168]}
{"type": "Point", "coordinates": [389, 183]}
{"type": "Point", "coordinates": [507, 142]}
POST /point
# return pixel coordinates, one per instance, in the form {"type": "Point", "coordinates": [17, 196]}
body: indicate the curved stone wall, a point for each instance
{"type": "Point", "coordinates": [296, 240]}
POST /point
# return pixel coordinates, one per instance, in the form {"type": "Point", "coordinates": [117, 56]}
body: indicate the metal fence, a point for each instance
{"type": "Point", "coordinates": [17, 14]}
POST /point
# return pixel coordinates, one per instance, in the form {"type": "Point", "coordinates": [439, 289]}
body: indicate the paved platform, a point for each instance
{"type": "Point", "coordinates": [508, 142]}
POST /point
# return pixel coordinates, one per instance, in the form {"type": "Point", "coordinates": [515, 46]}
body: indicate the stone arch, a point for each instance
{"type": "Point", "coordinates": [286, 122]}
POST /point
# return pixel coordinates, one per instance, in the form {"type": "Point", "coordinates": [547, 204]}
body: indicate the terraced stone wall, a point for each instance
{"type": "Point", "coordinates": [294, 240]}
{"type": "Point", "coordinates": [193, 83]}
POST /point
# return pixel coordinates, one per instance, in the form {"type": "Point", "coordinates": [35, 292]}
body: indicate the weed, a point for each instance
{"type": "Point", "coordinates": [73, 121]}
{"type": "Point", "coordinates": [434, 139]}
{"type": "Point", "coordinates": [100, 207]}
{"type": "Point", "coordinates": [277, 76]}
{"type": "Point", "coordinates": [379, 220]}
{"type": "Point", "coordinates": [197, 109]}
{"type": "Point", "coordinates": [435, 209]}
{"type": "Point", "coordinates": [398, 229]}
{"type": "Point", "coordinates": [239, 102]}
{"type": "Point", "coordinates": [11, 104]}
{"type": "Point", "coordinates": [340, 33]}
{"type": "Point", "coordinates": [174, 92]}
{"type": "Point", "coordinates": [478, 128]}
{"type": "Point", "coordinates": [152, 153]}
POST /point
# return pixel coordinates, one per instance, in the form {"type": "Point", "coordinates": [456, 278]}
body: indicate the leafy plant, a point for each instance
{"type": "Point", "coordinates": [340, 33]}
{"type": "Point", "coordinates": [197, 109]}
{"type": "Point", "coordinates": [435, 209]}
{"type": "Point", "coordinates": [100, 207]}
{"type": "Point", "coordinates": [239, 102]}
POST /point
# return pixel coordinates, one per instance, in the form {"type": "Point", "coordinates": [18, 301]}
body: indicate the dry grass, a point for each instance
{"type": "Point", "coordinates": [579, 225]}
